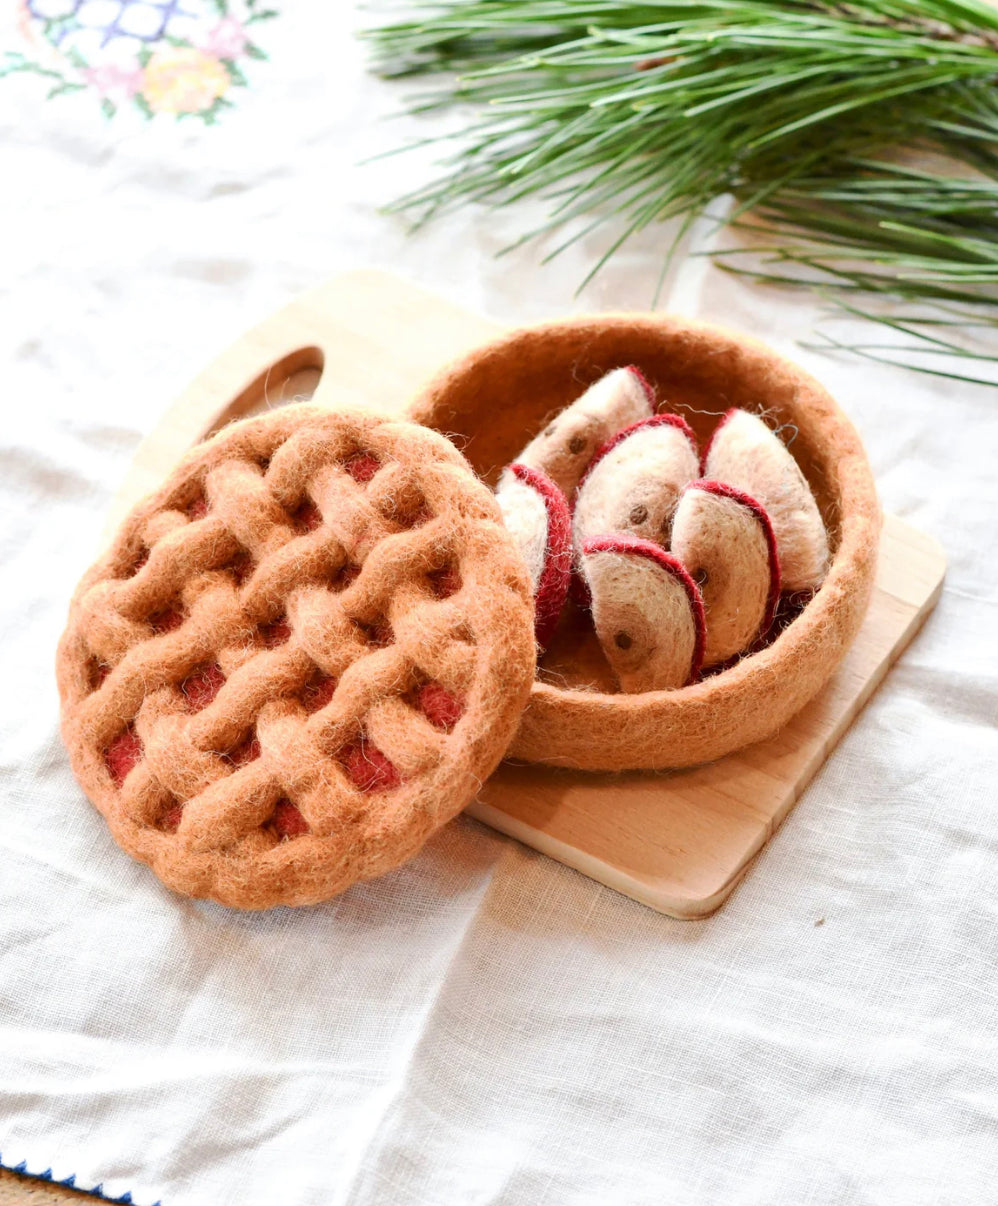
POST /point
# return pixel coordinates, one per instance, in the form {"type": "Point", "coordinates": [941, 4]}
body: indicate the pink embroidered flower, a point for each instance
{"type": "Point", "coordinates": [113, 82]}
{"type": "Point", "coordinates": [183, 80]}
{"type": "Point", "coordinates": [226, 40]}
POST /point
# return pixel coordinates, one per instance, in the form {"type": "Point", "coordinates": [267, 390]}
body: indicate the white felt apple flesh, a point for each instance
{"type": "Point", "coordinates": [537, 514]}
{"type": "Point", "coordinates": [647, 613]}
{"type": "Point", "coordinates": [633, 482]}
{"type": "Point", "coordinates": [725, 540]}
{"type": "Point", "coordinates": [566, 446]}
{"type": "Point", "coordinates": [748, 455]}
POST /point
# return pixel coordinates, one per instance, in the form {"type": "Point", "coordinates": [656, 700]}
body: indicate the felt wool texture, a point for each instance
{"type": "Point", "coordinates": [569, 441]}
{"type": "Point", "coordinates": [493, 394]}
{"type": "Point", "coordinates": [725, 540]}
{"type": "Point", "coordinates": [633, 482]}
{"type": "Point", "coordinates": [750, 456]}
{"type": "Point", "coordinates": [298, 658]}
{"type": "Point", "coordinates": [537, 514]}
{"type": "Point", "coordinates": [647, 612]}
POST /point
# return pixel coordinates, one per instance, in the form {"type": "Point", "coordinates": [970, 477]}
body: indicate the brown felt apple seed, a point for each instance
{"type": "Point", "coordinates": [647, 612]}
{"type": "Point", "coordinates": [748, 455]}
{"type": "Point", "coordinates": [567, 444]}
{"type": "Point", "coordinates": [725, 540]}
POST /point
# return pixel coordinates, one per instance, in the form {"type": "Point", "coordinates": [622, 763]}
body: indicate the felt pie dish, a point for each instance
{"type": "Point", "coordinates": [499, 395]}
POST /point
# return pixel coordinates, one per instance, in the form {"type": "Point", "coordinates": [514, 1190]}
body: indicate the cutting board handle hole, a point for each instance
{"type": "Point", "coordinates": [292, 378]}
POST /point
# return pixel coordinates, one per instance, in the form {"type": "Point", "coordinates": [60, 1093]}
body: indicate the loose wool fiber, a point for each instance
{"type": "Point", "coordinates": [633, 482]}
{"type": "Point", "coordinates": [537, 514]}
{"type": "Point", "coordinates": [298, 658]}
{"type": "Point", "coordinates": [748, 455]}
{"type": "Point", "coordinates": [568, 443]}
{"type": "Point", "coordinates": [647, 613]}
{"type": "Point", "coordinates": [726, 543]}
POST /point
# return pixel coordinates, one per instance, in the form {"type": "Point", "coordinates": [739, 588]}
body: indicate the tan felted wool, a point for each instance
{"type": "Point", "coordinates": [298, 658]}
{"type": "Point", "coordinates": [537, 514]}
{"type": "Point", "coordinates": [498, 395]}
{"type": "Point", "coordinates": [647, 613]}
{"type": "Point", "coordinates": [633, 482]}
{"type": "Point", "coordinates": [750, 456]}
{"type": "Point", "coordinates": [569, 440]}
{"type": "Point", "coordinates": [726, 543]}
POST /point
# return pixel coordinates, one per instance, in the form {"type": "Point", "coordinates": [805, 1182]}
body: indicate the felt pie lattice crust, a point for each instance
{"type": "Point", "coordinates": [298, 658]}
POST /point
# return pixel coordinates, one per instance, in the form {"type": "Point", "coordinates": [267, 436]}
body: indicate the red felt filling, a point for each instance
{"type": "Point", "coordinates": [288, 820]}
{"type": "Point", "coordinates": [368, 768]}
{"type": "Point", "coordinates": [276, 633]}
{"type": "Point", "coordinates": [198, 508]}
{"type": "Point", "coordinates": [202, 685]}
{"type": "Point", "coordinates": [308, 517]}
{"type": "Point", "coordinates": [441, 707]}
{"type": "Point", "coordinates": [171, 818]}
{"type": "Point", "coordinates": [241, 566]}
{"type": "Point", "coordinates": [318, 692]}
{"type": "Point", "coordinates": [363, 466]}
{"type": "Point", "coordinates": [124, 752]}
{"type": "Point", "coordinates": [445, 582]}
{"type": "Point", "coordinates": [552, 588]}
{"type": "Point", "coordinates": [168, 620]}
{"type": "Point", "coordinates": [672, 565]}
{"type": "Point", "coordinates": [347, 575]}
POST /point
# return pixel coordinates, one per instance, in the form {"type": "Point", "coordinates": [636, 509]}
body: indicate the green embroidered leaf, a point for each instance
{"type": "Point", "coordinates": [17, 63]}
{"type": "Point", "coordinates": [235, 74]}
{"type": "Point", "coordinates": [65, 86]}
{"type": "Point", "coordinates": [253, 51]}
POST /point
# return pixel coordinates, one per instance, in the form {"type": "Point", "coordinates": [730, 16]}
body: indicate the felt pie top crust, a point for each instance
{"type": "Point", "coordinates": [298, 658]}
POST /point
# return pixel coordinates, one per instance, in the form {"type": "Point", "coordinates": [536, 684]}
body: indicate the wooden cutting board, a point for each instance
{"type": "Point", "coordinates": [676, 841]}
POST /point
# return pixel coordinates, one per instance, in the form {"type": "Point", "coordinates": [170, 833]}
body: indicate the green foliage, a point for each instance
{"type": "Point", "coordinates": [809, 114]}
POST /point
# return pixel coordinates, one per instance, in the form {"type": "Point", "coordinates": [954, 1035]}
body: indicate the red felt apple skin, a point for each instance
{"type": "Point", "coordinates": [537, 513]}
{"type": "Point", "coordinates": [647, 611]}
{"type": "Point", "coordinates": [747, 454]}
{"type": "Point", "coordinates": [725, 539]}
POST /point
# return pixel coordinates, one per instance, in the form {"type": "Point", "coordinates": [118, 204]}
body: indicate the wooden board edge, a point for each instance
{"type": "Point", "coordinates": [699, 907]}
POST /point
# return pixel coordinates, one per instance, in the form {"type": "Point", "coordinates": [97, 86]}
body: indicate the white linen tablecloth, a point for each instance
{"type": "Point", "coordinates": [483, 1026]}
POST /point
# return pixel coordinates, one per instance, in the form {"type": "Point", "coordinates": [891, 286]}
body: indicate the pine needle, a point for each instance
{"type": "Point", "coordinates": [810, 114]}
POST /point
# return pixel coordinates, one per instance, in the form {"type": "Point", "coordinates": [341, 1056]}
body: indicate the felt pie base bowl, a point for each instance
{"type": "Point", "coordinates": [497, 397]}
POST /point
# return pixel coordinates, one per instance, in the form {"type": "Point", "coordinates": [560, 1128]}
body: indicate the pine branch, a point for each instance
{"type": "Point", "coordinates": [641, 112]}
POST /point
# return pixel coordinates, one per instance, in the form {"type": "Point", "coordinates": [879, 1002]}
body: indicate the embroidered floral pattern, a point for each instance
{"type": "Point", "coordinates": [182, 58]}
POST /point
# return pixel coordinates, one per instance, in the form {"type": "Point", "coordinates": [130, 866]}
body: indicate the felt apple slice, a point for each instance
{"type": "Point", "coordinates": [566, 445]}
{"type": "Point", "coordinates": [647, 612]}
{"type": "Point", "coordinates": [748, 455]}
{"type": "Point", "coordinates": [537, 514]}
{"type": "Point", "coordinates": [725, 540]}
{"type": "Point", "coordinates": [633, 482]}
